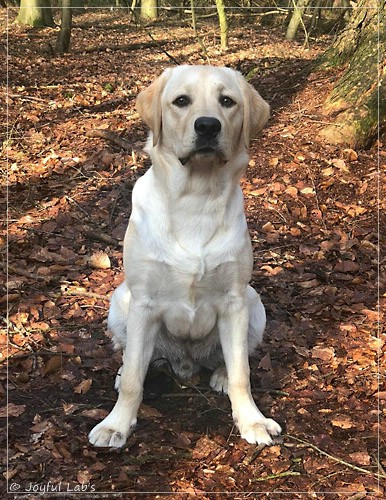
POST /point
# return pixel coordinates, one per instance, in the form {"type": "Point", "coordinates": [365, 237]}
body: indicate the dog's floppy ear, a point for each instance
{"type": "Point", "coordinates": [148, 105]}
{"type": "Point", "coordinates": [256, 111]}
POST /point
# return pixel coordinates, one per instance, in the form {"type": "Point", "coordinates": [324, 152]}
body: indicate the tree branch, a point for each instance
{"type": "Point", "coordinates": [336, 459]}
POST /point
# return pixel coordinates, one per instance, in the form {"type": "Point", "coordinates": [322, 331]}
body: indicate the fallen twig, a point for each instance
{"type": "Point", "coordinates": [130, 47]}
{"type": "Point", "coordinates": [276, 476]}
{"type": "Point", "coordinates": [186, 383]}
{"type": "Point", "coordinates": [27, 98]}
{"type": "Point", "coordinates": [163, 50]}
{"type": "Point", "coordinates": [191, 394]}
{"type": "Point", "coordinates": [112, 137]}
{"type": "Point", "coordinates": [272, 391]}
{"type": "Point", "coordinates": [109, 104]}
{"type": "Point", "coordinates": [336, 459]}
{"type": "Point", "coordinates": [78, 206]}
{"type": "Point", "coordinates": [182, 395]}
{"type": "Point", "coordinates": [248, 460]}
{"type": "Point", "coordinates": [104, 238]}
{"type": "Point", "coordinates": [203, 48]}
{"type": "Point", "coordinates": [379, 465]}
{"type": "Point", "coordinates": [124, 187]}
{"type": "Point", "coordinates": [27, 274]}
{"type": "Point", "coordinates": [252, 13]}
{"type": "Point", "coordinates": [84, 293]}
{"type": "Point", "coordinates": [47, 353]}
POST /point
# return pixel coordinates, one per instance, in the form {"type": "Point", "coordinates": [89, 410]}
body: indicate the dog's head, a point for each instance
{"type": "Point", "coordinates": [202, 111]}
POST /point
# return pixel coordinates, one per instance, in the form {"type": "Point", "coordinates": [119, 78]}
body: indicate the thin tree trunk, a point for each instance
{"type": "Point", "coordinates": [35, 13]}
{"type": "Point", "coordinates": [193, 8]}
{"type": "Point", "coordinates": [223, 23]}
{"type": "Point", "coordinates": [296, 19]}
{"type": "Point", "coordinates": [148, 10]}
{"type": "Point", "coordinates": [64, 36]}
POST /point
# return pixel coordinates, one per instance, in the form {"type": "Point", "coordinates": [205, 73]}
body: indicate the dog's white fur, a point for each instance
{"type": "Point", "coordinates": [187, 252]}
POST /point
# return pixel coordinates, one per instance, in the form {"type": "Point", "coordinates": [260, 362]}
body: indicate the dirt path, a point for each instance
{"type": "Point", "coordinates": [312, 217]}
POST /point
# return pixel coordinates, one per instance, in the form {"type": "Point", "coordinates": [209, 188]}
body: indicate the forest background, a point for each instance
{"type": "Point", "coordinates": [314, 197]}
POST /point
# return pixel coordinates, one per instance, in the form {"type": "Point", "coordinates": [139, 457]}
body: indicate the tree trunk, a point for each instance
{"type": "Point", "coordinates": [223, 23]}
{"type": "Point", "coordinates": [35, 13]}
{"type": "Point", "coordinates": [193, 9]}
{"type": "Point", "coordinates": [64, 36]}
{"type": "Point", "coordinates": [358, 100]}
{"type": "Point", "coordinates": [149, 10]}
{"type": "Point", "coordinates": [296, 18]}
{"type": "Point", "coordinates": [133, 6]}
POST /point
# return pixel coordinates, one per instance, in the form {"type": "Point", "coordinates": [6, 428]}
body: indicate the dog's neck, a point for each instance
{"type": "Point", "coordinates": [202, 197]}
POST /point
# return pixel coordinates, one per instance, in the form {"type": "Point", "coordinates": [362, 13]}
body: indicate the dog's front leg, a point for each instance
{"type": "Point", "coordinates": [233, 329]}
{"type": "Point", "coordinates": [142, 330]}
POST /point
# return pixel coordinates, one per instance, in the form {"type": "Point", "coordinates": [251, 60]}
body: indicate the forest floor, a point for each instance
{"type": "Point", "coordinates": [312, 215]}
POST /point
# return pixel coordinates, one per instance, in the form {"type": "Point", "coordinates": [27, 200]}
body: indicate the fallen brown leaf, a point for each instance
{"type": "Point", "coordinates": [361, 457]}
{"type": "Point", "coordinates": [83, 387]}
{"type": "Point", "coordinates": [265, 362]}
{"type": "Point", "coordinates": [95, 413]}
{"type": "Point", "coordinates": [11, 410]}
{"type": "Point", "coordinates": [324, 353]}
{"type": "Point", "coordinates": [53, 364]}
{"type": "Point", "coordinates": [342, 421]}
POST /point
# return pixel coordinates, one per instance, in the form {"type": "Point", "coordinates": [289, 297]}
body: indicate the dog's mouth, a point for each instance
{"type": "Point", "coordinates": [205, 151]}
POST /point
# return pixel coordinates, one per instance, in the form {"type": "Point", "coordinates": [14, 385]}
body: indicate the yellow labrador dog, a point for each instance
{"type": "Point", "coordinates": [187, 252]}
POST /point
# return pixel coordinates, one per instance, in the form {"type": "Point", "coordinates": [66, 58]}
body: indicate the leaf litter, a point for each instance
{"type": "Point", "coordinates": [312, 215]}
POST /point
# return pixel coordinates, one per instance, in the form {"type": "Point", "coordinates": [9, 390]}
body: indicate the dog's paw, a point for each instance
{"type": "Point", "coordinates": [219, 380]}
{"type": "Point", "coordinates": [105, 437]}
{"type": "Point", "coordinates": [260, 432]}
{"type": "Point", "coordinates": [108, 434]}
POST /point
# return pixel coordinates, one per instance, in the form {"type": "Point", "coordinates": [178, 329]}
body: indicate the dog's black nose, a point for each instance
{"type": "Point", "coordinates": [207, 127]}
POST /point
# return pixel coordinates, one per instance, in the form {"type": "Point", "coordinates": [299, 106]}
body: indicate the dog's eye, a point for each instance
{"type": "Point", "coordinates": [182, 101]}
{"type": "Point", "coordinates": [226, 101]}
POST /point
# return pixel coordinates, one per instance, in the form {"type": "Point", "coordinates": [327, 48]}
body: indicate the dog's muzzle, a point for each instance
{"type": "Point", "coordinates": [207, 130]}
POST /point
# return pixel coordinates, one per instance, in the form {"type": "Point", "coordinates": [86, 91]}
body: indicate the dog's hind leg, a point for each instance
{"type": "Point", "coordinates": [219, 380]}
{"type": "Point", "coordinates": [116, 322]}
{"type": "Point", "coordinates": [117, 319]}
{"type": "Point", "coordinates": [257, 319]}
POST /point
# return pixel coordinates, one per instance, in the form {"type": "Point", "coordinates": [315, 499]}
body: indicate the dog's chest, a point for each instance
{"type": "Point", "coordinates": [192, 312]}
{"type": "Point", "coordinates": [191, 304]}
